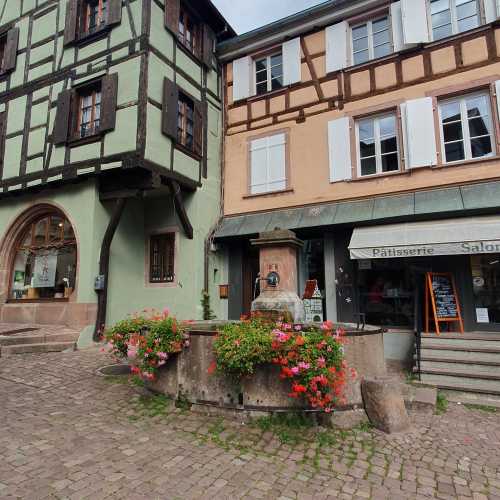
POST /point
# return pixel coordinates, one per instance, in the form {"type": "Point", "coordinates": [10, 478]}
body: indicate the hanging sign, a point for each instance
{"type": "Point", "coordinates": [313, 302]}
{"type": "Point", "coordinates": [44, 275]}
{"type": "Point", "coordinates": [441, 295]}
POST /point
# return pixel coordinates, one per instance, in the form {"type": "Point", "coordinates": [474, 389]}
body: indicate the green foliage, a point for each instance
{"type": "Point", "coordinates": [208, 314]}
{"type": "Point", "coordinates": [289, 428]}
{"type": "Point", "coordinates": [241, 347]}
{"type": "Point", "coordinates": [441, 404]}
{"type": "Point", "coordinates": [483, 408]}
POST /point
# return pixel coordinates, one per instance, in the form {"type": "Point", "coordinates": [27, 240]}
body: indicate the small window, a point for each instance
{"type": "Point", "coordinates": [89, 112]}
{"type": "Point", "coordinates": [188, 33]}
{"type": "Point", "coordinates": [161, 258]}
{"type": "Point", "coordinates": [268, 164]}
{"type": "Point", "coordinates": [3, 44]}
{"type": "Point", "coordinates": [377, 140]}
{"type": "Point", "coordinates": [466, 128]}
{"type": "Point", "coordinates": [185, 121]}
{"type": "Point", "coordinates": [93, 16]}
{"type": "Point", "coordinates": [449, 17]}
{"type": "Point", "coordinates": [268, 73]}
{"type": "Point", "coordinates": [371, 40]}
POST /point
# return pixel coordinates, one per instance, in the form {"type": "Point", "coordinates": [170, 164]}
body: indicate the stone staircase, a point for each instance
{"type": "Point", "coordinates": [17, 339]}
{"type": "Point", "coordinates": [468, 362]}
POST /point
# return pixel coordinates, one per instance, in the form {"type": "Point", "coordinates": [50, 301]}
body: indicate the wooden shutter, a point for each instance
{"type": "Point", "coordinates": [419, 133]}
{"type": "Point", "coordinates": [336, 46]}
{"type": "Point", "coordinates": [198, 127]}
{"type": "Point", "coordinates": [339, 146]}
{"type": "Point", "coordinates": [172, 12]}
{"type": "Point", "coordinates": [397, 27]}
{"type": "Point", "coordinates": [242, 78]}
{"type": "Point", "coordinates": [292, 62]}
{"type": "Point", "coordinates": [208, 46]}
{"type": "Point", "coordinates": [170, 109]}
{"type": "Point", "coordinates": [109, 96]}
{"type": "Point", "coordinates": [414, 17]}
{"type": "Point", "coordinates": [10, 57]}
{"type": "Point", "coordinates": [490, 10]}
{"type": "Point", "coordinates": [114, 12]}
{"type": "Point", "coordinates": [71, 21]}
{"type": "Point", "coordinates": [61, 125]}
{"type": "Point", "coordinates": [3, 127]}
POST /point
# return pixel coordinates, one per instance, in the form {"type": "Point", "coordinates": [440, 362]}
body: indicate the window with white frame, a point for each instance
{"type": "Point", "coordinates": [268, 73]}
{"type": "Point", "coordinates": [377, 140]}
{"type": "Point", "coordinates": [466, 127]}
{"type": "Point", "coordinates": [448, 17]}
{"type": "Point", "coordinates": [371, 40]}
{"type": "Point", "coordinates": [268, 164]}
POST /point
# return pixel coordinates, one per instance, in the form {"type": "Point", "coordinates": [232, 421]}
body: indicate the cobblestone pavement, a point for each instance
{"type": "Point", "coordinates": [68, 433]}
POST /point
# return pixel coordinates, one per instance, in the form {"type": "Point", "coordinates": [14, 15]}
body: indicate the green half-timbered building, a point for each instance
{"type": "Point", "coordinates": [110, 134]}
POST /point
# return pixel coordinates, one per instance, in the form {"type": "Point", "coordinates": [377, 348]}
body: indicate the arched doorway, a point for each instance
{"type": "Point", "coordinates": [43, 259]}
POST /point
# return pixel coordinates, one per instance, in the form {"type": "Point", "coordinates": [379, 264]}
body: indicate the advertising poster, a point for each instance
{"type": "Point", "coordinates": [44, 275]}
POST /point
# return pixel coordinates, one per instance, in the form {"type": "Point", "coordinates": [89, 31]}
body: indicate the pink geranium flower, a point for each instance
{"type": "Point", "coordinates": [320, 362]}
{"type": "Point", "coordinates": [304, 366]}
{"type": "Point", "coordinates": [295, 370]}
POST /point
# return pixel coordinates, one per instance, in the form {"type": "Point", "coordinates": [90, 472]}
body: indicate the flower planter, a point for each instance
{"type": "Point", "coordinates": [190, 374]}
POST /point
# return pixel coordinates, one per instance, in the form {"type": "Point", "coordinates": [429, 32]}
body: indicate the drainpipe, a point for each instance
{"type": "Point", "coordinates": [102, 294]}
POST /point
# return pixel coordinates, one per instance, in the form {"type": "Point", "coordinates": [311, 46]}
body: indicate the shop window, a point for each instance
{"type": "Point", "coordinates": [377, 140]}
{"type": "Point", "coordinates": [448, 17]}
{"type": "Point", "coordinates": [386, 292]}
{"type": "Point", "coordinates": [268, 169]}
{"type": "Point", "coordinates": [189, 31]}
{"type": "Point", "coordinates": [268, 73]}
{"type": "Point", "coordinates": [371, 40]}
{"type": "Point", "coordinates": [466, 128]}
{"type": "Point", "coordinates": [486, 287]}
{"type": "Point", "coordinates": [45, 261]}
{"type": "Point", "coordinates": [161, 258]}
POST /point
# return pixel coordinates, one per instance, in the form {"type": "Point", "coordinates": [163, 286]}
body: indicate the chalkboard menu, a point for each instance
{"type": "Point", "coordinates": [444, 297]}
{"type": "Point", "coordinates": [441, 296]}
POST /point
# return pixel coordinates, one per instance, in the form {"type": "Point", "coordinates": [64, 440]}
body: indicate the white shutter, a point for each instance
{"type": "Point", "coordinates": [397, 27]}
{"type": "Point", "coordinates": [268, 164]}
{"type": "Point", "coordinates": [339, 146]}
{"type": "Point", "coordinates": [420, 135]}
{"type": "Point", "coordinates": [292, 63]}
{"type": "Point", "coordinates": [336, 46]}
{"type": "Point", "coordinates": [415, 25]}
{"type": "Point", "coordinates": [497, 92]}
{"type": "Point", "coordinates": [491, 11]}
{"type": "Point", "coordinates": [242, 78]}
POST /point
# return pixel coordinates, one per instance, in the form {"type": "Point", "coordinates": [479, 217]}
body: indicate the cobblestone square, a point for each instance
{"type": "Point", "coordinates": [69, 433]}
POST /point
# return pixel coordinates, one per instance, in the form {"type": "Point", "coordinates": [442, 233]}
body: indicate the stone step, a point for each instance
{"type": "Point", "coordinates": [456, 396]}
{"type": "Point", "coordinates": [488, 370]}
{"type": "Point", "coordinates": [490, 336]}
{"type": "Point", "coordinates": [471, 347]}
{"type": "Point", "coordinates": [6, 351]}
{"type": "Point", "coordinates": [460, 356]}
{"type": "Point", "coordinates": [36, 339]}
{"type": "Point", "coordinates": [479, 385]}
{"type": "Point", "coordinates": [448, 343]}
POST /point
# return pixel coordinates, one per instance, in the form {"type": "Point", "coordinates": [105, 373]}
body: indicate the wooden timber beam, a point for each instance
{"type": "Point", "coordinates": [180, 209]}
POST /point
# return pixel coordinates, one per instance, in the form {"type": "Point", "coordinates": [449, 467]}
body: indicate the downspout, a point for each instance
{"type": "Point", "coordinates": [102, 294]}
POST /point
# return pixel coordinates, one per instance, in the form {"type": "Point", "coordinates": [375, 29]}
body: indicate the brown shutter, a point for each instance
{"type": "Point", "coordinates": [198, 128]}
{"type": "Point", "coordinates": [61, 125]}
{"type": "Point", "coordinates": [170, 109]}
{"type": "Point", "coordinates": [114, 12]}
{"type": "Point", "coordinates": [10, 57]}
{"type": "Point", "coordinates": [172, 12]}
{"type": "Point", "coordinates": [3, 128]}
{"type": "Point", "coordinates": [208, 46]}
{"type": "Point", "coordinates": [109, 96]}
{"type": "Point", "coordinates": [71, 20]}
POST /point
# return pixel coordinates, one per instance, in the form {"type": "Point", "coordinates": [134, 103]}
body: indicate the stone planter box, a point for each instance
{"type": "Point", "coordinates": [186, 375]}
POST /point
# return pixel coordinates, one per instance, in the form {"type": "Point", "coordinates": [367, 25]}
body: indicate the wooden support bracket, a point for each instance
{"type": "Point", "coordinates": [180, 209]}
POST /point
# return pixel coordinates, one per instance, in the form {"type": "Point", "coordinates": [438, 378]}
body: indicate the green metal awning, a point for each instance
{"type": "Point", "coordinates": [437, 203]}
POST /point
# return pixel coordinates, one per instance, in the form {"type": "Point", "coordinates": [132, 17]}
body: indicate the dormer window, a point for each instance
{"type": "Point", "coordinates": [94, 13]}
{"type": "Point", "coordinates": [188, 32]}
{"type": "Point", "coordinates": [268, 73]}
